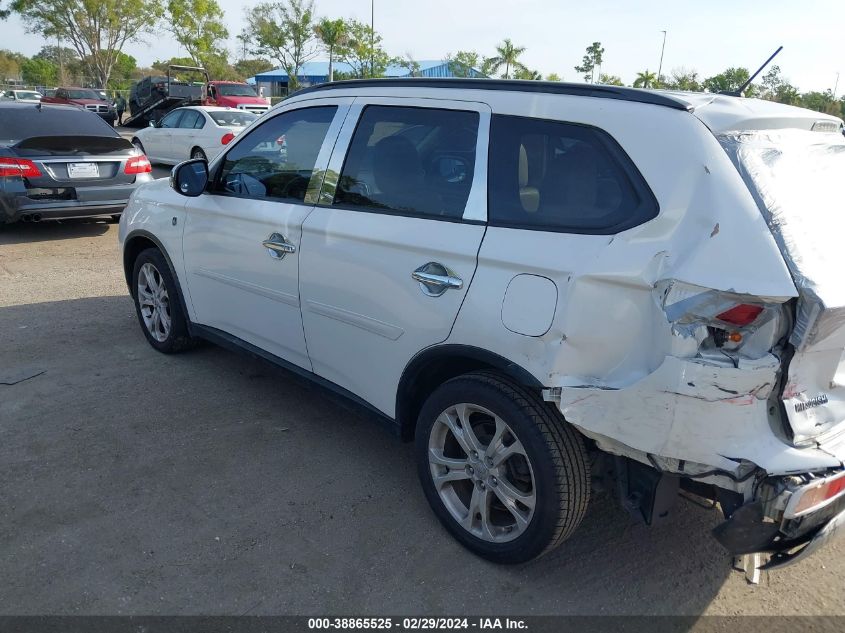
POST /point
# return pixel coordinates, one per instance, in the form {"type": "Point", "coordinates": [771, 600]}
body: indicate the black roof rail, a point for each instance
{"type": "Point", "coordinates": [600, 91]}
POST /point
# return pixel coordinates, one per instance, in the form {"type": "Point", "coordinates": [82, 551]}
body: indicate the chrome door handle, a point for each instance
{"type": "Point", "coordinates": [435, 279]}
{"type": "Point", "coordinates": [278, 246]}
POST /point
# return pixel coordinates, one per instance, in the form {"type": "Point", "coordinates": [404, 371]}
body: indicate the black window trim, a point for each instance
{"type": "Point", "coordinates": [406, 214]}
{"type": "Point", "coordinates": [646, 211]}
{"type": "Point", "coordinates": [213, 182]}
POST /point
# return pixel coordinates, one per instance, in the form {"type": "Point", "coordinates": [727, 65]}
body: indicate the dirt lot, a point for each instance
{"type": "Point", "coordinates": [137, 483]}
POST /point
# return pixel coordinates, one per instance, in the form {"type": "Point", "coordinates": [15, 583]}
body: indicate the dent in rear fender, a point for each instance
{"type": "Point", "coordinates": [157, 212]}
{"type": "Point", "coordinates": [688, 409]}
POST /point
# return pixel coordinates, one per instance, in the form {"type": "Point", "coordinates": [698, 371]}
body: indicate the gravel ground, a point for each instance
{"type": "Point", "coordinates": [213, 483]}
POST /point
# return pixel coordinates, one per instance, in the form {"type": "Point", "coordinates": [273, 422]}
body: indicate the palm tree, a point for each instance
{"type": "Point", "coordinates": [333, 35]}
{"type": "Point", "coordinates": [507, 55]}
{"type": "Point", "coordinates": [645, 80]}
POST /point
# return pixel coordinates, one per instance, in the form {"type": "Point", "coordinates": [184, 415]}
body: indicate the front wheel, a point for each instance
{"type": "Point", "coordinates": [157, 303]}
{"type": "Point", "coordinates": [504, 473]}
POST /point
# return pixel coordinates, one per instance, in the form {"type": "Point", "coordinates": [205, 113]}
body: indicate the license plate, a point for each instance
{"type": "Point", "coordinates": [83, 170]}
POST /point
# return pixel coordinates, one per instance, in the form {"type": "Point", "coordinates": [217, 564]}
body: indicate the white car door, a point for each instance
{"type": "Point", "coordinates": [156, 140]}
{"type": "Point", "coordinates": [390, 252]}
{"type": "Point", "coordinates": [183, 136]}
{"type": "Point", "coordinates": [242, 237]}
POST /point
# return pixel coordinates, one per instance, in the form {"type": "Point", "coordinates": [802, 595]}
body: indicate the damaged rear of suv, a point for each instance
{"type": "Point", "coordinates": [549, 287]}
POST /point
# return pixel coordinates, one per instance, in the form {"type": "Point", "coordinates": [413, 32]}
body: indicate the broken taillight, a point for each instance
{"type": "Point", "coordinates": [814, 496]}
{"type": "Point", "coordinates": [741, 315]}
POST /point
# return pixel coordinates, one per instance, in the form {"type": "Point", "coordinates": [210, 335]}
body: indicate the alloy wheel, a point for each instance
{"type": "Point", "coordinates": [154, 302]}
{"type": "Point", "coordinates": [482, 473]}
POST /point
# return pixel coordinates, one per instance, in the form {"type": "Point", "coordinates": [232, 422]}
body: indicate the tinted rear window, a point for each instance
{"type": "Point", "coordinates": [17, 124]}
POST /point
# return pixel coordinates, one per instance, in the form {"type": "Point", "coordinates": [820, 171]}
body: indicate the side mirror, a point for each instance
{"type": "Point", "coordinates": [190, 178]}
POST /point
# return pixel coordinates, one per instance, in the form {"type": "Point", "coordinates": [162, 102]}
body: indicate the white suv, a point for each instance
{"type": "Point", "coordinates": [550, 287]}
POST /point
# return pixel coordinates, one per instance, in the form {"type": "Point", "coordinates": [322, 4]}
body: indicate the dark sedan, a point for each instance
{"type": "Point", "coordinates": [60, 162]}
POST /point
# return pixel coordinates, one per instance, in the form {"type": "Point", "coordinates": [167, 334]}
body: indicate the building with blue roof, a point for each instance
{"type": "Point", "coordinates": [275, 82]}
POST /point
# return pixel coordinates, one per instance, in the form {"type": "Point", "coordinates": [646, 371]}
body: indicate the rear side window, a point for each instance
{"type": "Point", "coordinates": [276, 159]}
{"type": "Point", "coordinates": [553, 176]}
{"type": "Point", "coordinates": [410, 161]}
{"type": "Point", "coordinates": [190, 119]}
{"type": "Point", "coordinates": [19, 123]}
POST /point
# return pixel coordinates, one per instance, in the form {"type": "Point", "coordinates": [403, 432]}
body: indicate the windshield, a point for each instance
{"type": "Point", "coordinates": [28, 94]}
{"type": "Point", "coordinates": [232, 118]}
{"type": "Point", "coordinates": [796, 177]}
{"type": "Point", "coordinates": [83, 94]}
{"type": "Point", "coordinates": [236, 90]}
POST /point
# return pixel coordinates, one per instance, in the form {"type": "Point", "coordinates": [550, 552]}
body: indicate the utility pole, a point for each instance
{"type": "Point", "coordinates": [660, 66]}
{"type": "Point", "coordinates": [372, 38]}
{"type": "Point", "coordinates": [835, 86]}
{"type": "Point", "coordinates": [61, 77]}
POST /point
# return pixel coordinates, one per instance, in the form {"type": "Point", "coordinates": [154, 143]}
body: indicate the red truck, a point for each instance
{"type": "Point", "coordinates": [86, 99]}
{"type": "Point", "coordinates": [233, 94]}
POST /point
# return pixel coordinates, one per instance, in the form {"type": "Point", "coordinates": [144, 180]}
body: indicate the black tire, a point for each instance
{"type": "Point", "coordinates": [177, 338]}
{"type": "Point", "coordinates": [561, 472]}
{"type": "Point", "coordinates": [198, 153]}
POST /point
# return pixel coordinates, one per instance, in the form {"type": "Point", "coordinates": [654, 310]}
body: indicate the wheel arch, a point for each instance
{"type": "Point", "coordinates": [135, 243]}
{"type": "Point", "coordinates": [435, 365]}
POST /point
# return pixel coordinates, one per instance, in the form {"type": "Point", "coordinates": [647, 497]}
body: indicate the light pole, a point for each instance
{"type": "Point", "coordinates": [660, 66]}
{"type": "Point", "coordinates": [835, 86]}
{"type": "Point", "coordinates": [372, 38]}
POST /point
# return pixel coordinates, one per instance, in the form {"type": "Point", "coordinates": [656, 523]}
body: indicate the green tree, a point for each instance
{"type": "Point", "coordinates": [96, 29]}
{"type": "Point", "coordinates": [39, 72]}
{"type": "Point", "coordinates": [332, 34]}
{"type": "Point", "coordinates": [284, 31]}
{"type": "Point", "coordinates": [610, 80]}
{"type": "Point", "coordinates": [198, 25]}
{"type": "Point", "coordinates": [507, 55]}
{"type": "Point", "coordinates": [363, 51]}
{"type": "Point", "coordinates": [821, 102]}
{"type": "Point", "coordinates": [10, 64]}
{"type": "Point", "coordinates": [645, 79]}
{"type": "Point", "coordinates": [683, 79]}
{"type": "Point", "coordinates": [463, 63]}
{"type": "Point", "coordinates": [592, 59]}
{"type": "Point", "coordinates": [162, 65]}
{"type": "Point", "coordinates": [247, 68]}
{"type": "Point", "coordinates": [553, 77]}
{"type": "Point", "coordinates": [730, 80]}
{"type": "Point", "coordinates": [527, 73]}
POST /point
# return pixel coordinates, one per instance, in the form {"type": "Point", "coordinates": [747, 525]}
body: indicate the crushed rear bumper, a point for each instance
{"type": "Point", "coordinates": [788, 539]}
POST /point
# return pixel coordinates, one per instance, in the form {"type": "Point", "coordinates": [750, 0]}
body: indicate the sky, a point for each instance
{"type": "Point", "coordinates": [705, 36]}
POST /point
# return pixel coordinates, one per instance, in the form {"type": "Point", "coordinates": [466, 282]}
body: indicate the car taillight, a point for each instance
{"type": "Point", "coordinates": [18, 167]}
{"type": "Point", "coordinates": [228, 137]}
{"type": "Point", "coordinates": [741, 315]}
{"type": "Point", "coordinates": [818, 495]}
{"type": "Point", "coordinates": [138, 165]}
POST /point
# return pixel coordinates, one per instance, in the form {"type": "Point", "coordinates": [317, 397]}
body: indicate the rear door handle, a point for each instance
{"type": "Point", "coordinates": [435, 279]}
{"type": "Point", "coordinates": [277, 246]}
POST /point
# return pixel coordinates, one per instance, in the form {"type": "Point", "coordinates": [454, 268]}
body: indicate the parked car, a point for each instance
{"type": "Point", "coordinates": [23, 96]}
{"type": "Point", "coordinates": [61, 162]}
{"type": "Point", "coordinates": [548, 286]}
{"type": "Point", "coordinates": [84, 98]}
{"type": "Point", "coordinates": [234, 94]}
{"type": "Point", "coordinates": [191, 132]}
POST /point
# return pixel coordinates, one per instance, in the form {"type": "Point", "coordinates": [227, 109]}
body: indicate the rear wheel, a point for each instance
{"type": "Point", "coordinates": [504, 473]}
{"type": "Point", "coordinates": [157, 303]}
{"type": "Point", "coordinates": [198, 153]}
{"type": "Point", "coordinates": [138, 145]}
